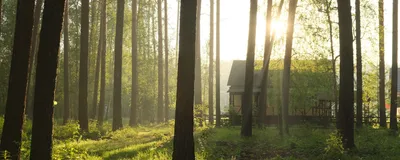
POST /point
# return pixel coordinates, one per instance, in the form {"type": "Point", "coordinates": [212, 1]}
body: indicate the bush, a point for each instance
{"type": "Point", "coordinates": [334, 148]}
{"type": "Point", "coordinates": [69, 151]}
{"type": "Point", "coordinates": [67, 131]}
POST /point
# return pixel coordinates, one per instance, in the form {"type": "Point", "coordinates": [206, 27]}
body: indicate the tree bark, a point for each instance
{"type": "Point", "coordinates": [382, 109]}
{"type": "Point", "coordinates": [359, 66]}
{"type": "Point", "coordinates": [177, 33]}
{"type": "Point", "coordinates": [287, 64]}
{"type": "Point", "coordinates": [346, 92]}
{"type": "Point", "coordinates": [198, 100]}
{"type": "Point", "coordinates": [96, 80]}
{"type": "Point", "coordinates": [66, 67]}
{"type": "Point", "coordinates": [183, 135]}
{"type": "Point", "coordinates": [15, 105]}
{"type": "Point", "coordinates": [83, 67]}
{"type": "Point", "coordinates": [46, 71]}
{"type": "Point", "coordinates": [117, 117]}
{"type": "Point", "coordinates": [218, 72]}
{"type": "Point", "coordinates": [211, 67]}
{"type": "Point", "coordinates": [393, 107]}
{"type": "Point", "coordinates": [247, 97]}
{"type": "Point", "coordinates": [166, 111]}
{"type": "Point", "coordinates": [34, 42]}
{"type": "Point", "coordinates": [160, 64]}
{"type": "Point", "coordinates": [103, 63]}
{"type": "Point", "coordinates": [134, 94]}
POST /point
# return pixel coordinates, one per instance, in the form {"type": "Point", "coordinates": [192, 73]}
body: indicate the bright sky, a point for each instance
{"type": "Point", "coordinates": [234, 27]}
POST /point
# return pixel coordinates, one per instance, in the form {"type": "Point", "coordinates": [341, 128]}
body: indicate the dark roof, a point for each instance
{"type": "Point", "coordinates": [398, 78]}
{"type": "Point", "coordinates": [237, 75]}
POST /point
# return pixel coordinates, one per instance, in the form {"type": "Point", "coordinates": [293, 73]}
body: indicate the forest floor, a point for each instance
{"type": "Point", "coordinates": [155, 142]}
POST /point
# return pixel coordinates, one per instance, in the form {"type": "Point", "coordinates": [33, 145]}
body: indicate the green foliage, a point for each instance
{"type": "Point", "coordinates": [67, 131]}
{"type": "Point", "coordinates": [334, 148]}
{"type": "Point", "coordinates": [69, 151]}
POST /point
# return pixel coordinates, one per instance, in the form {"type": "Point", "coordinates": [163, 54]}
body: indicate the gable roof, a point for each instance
{"type": "Point", "coordinates": [237, 74]}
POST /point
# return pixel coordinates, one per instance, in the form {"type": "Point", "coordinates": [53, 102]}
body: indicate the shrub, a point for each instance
{"type": "Point", "coordinates": [67, 131]}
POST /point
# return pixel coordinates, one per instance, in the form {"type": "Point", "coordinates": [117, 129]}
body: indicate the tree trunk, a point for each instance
{"type": "Point", "coordinates": [83, 67]}
{"type": "Point", "coordinates": [247, 98]}
{"type": "Point", "coordinates": [359, 66]}
{"type": "Point", "coordinates": [103, 63]}
{"type": "Point", "coordinates": [346, 92]}
{"type": "Point", "coordinates": [46, 71]}
{"type": "Point", "coordinates": [198, 100]}
{"type": "Point", "coordinates": [217, 76]}
{"type": "Point", "coordinates": [183, 135]}
{"type": "Point", "coordinates": [34, 42]}
{"type": "Point", "coordinates": [134, 94]}
{"type": "Point", "coordinates": [382, 109]}
{"type": "Point", "coordinates": [211, 67]}
{"type": "Point", "coordinates": [96, 80]}
{"type": "Point", "coordinates": [166, 112]}
{"type": "Point", "coordinates": [1, 6]}
{"type": "Point", "coordinates": [66, 67]}
{"type": "Point", "coordinates": [15, 105]}
{"type": "Point", "coordinates": [393, 102]}
{"type": "Point", "coordinates": [160, 64]}
{"type": "Point", "coordinates": [177, 33]}
{"type": "Point", "coordinates": [287, 64]}
{"type": "Point", "coordinates": [117, 117]}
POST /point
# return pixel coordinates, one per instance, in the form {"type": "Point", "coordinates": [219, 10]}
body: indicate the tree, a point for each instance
{"type": "Point", "coordinates": [160, 64]}
{"type": "Point", "coordinates": [117, 112]}
{"type": "Point", "coordinates": [218, 72]}
{"type": "Point", "coordinates": [346, 92]}
{"type": "Point", "coordinates": [287, 64]}
{"type": "Point", "coordinates": [382, 110]}
{"type": "Point", "coordinates": [46, 71]}
{"type": "Point", "coordinates": [15, 105]}
{"type": "Point", "coordinates": [35, 37]}
{"type": "Point", "coordinates": [211, 67]}
{"type": "Point", "coordinates": [103, 62]}
{"type": "Point", "coordinates": [166, 60]}
{"type": "Point", "coordinates": [359, 66]}
{"type": "Point", "coordinates": [247, 98]}
{"type": "Point", "coordinates": [198, 101]}
{"type": "Point", "coordinates": [183, 134]}
{"type": "Point", "coordinates": [66, 63]}
{"type": "Point", "coordinates": [83, 67]}
{"type": "Point", "coordinates": [393, 102]}
{"type": "Point", "coordinates": [96, 81]}
{"type": "Point", "coordinates": [134, 94]}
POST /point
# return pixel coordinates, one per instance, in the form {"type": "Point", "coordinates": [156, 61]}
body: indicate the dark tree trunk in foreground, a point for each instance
{"type": "Point", "coordinates": [247, 98]}
{"type": "Point", "coordinates": [218, 72]}
{"type": "Point", "coordinates": [393, 99]}
{"type": "Point", "coordinates": [34, 42]}
{"type": "Point", "coordinates": [287, 64]}
{"type": "Point", "coordinates": [359, 66]}
{"type": "Point", "coordinates": [211, 67]}
{"type": "Point", "coordinates": [103, 63]}
{"type": "Point", "coordinates": [15, 105]}
{"type": "Point", "coordinates": [183, 138]}
{"type": "Point", "coordinates": [83, 67]}
{"type": "Point", "coordinates": [268, 43]}
{"type": "Point", "coordinates": [346, 92]}
{"type": "Point", "coordinates": [166, 109]}
{"type": "Point", "coordinates": [66, 68]}
{"type": "Point", "coordinates": [46, 71]}
{"type": "Point", "coordinates": [197, 82]}
{"type": "Point", "coordinates": [382, 109]}
{"type": "Point", "coordinates": [160, 64]}
{"type": "Point", "coordinates": [134, 94]}
{"type": "Point", "coordinates": [117, 112]}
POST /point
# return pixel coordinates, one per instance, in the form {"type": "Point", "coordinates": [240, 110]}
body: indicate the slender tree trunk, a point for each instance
{"type": "Point", "coordinates": [247, 97]}
{"type": "Point", "coordinates": [359, 66]}
{"type": "Point", "coordinates": [287, 64]}
{"type": "Point", "coordinates": [166, 112]}
{"type": "Point", "coordinates": [217, 65]}
{"type": "Point", "coordinates": [117, 117]}
{"type": "Point", "coordinates": [183, 135]}
{"type": "Point", "coordinates": [103, 63]}
{"type": "Point", "coordinates": [177, 32]}
{"type": "Point", "coordinates": [134, 94]}
{"type": "Point", "coordinates": [382, 109]}
{"type": "Point", "coordinates": [66, 67]}
{"type": "Point", "coordinates": [46, 71]}
{"type": "Point", "coordinates": [198, 100]}
{"type": "Point", "coordinates": [96, 80]}
{"type": "Point", "coordinates": [15, 105]}
{"type": "Point", "coordinates": [346, 92]}
{"type": "Point", "coordinates": [268, 43]}
{"type": "Point", "coordinates": [32, 55]}
{"type": "Point", "coordinates": [83, 67]}
{"type": "Point", "coordinates": [211, 67]}
{"type": "Point", "coordinates": [393, 107]}
{"type": "Point", "coordinates": [160, 64]}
